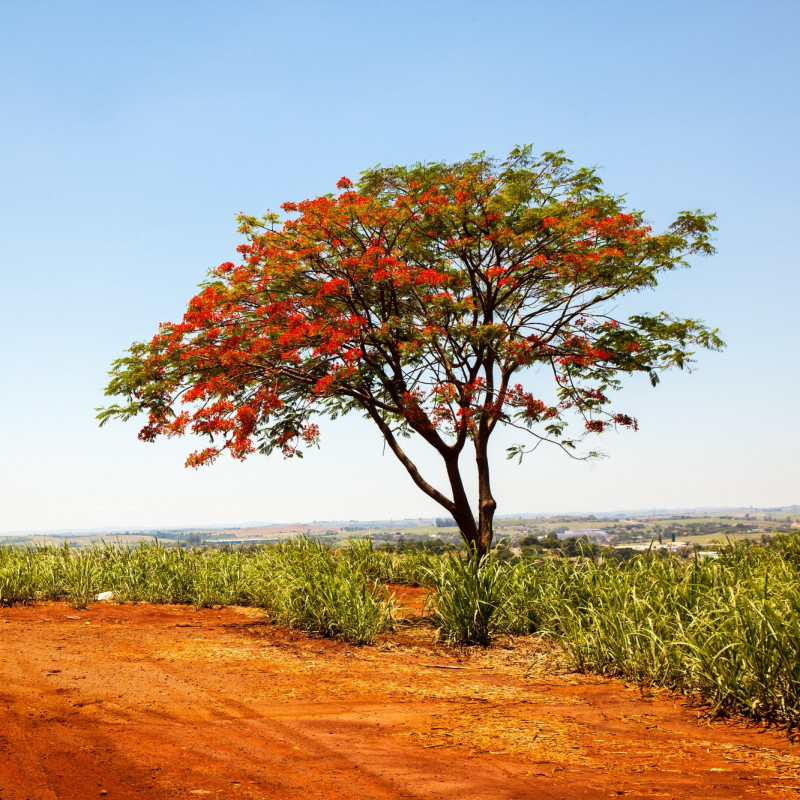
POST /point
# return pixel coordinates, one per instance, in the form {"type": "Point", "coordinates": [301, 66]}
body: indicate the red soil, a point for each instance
{"type": "Point", "coordinates": [158, 702]}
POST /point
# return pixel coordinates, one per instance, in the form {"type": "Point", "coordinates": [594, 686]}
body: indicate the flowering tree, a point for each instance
{"type": "Point", "coordinates": [422, 297]}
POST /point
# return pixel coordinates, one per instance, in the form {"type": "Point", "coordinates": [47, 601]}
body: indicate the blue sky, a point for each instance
{"type": "Point", "coordinates": [133, 132]}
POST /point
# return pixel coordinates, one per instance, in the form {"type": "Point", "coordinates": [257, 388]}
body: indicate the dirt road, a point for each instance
{"type": "Point", "coordinates": [143, 702]}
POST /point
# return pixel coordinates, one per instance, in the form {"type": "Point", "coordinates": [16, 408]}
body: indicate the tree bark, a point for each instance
{"type": "Point", "coordinates": [486, 501]}
{"type": "Point", "coordinates": [462, 510]}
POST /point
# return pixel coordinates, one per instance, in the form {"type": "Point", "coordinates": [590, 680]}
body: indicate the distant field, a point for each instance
{"type": "Point", "coordinates": [700, 529]}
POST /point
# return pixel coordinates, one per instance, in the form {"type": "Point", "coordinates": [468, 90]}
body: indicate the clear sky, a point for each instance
{"type": "Point", "coordinates": [133, 132]}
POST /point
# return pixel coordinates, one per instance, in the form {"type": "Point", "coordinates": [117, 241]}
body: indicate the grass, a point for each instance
{"type": "Point", "coordinates": [303, 584]}
{"type": "Point", "coordinates": [725, 629]}
{"type": "Point", "coordinates": [467, 595]}
{"type": "Point", "coordinates": [300, 584]}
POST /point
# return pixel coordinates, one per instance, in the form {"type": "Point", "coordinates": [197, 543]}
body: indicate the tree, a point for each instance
{"type": "Point", "coordinates": [422, 297]}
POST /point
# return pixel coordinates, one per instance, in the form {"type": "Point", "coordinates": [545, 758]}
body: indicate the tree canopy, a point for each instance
{"type": "Point", "coordinates": [425, 298]}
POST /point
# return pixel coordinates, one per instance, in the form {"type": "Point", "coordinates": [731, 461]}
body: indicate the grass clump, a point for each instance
{"type": "Point", "coordinates": [467, 593]}
{"type": "Point", "coordinates": [411, 568]}
{"type": "Point", "coordinates": [727, 629]}
{"type": "Point", "coordinates": [318, 590]}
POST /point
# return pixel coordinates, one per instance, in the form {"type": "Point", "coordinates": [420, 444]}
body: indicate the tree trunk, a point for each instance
{"type": "Point", "coordinates": [476, 533]}
{"type": "Point", "coordinates": [462, 512]}
{"type": "Point", "coordinates": [486, 502]}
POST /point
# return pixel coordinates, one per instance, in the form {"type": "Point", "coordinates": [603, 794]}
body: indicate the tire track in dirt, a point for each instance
{"type": "Point", "coordinates": [94, 733]}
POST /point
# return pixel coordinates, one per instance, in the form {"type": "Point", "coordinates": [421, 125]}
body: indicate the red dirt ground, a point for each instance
{"type": "Point", "coordinates": [124, 701]}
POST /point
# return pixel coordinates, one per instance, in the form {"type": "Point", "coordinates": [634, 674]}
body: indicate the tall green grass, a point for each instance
{"type": "Point", "coordinates": [412, 568]}
{"type": "Point", "coordinates": [726, 629]}
{"type": "Point", "coordinates": [301, 583]}
{"type": "Point", "coordinates": [466, 598]}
